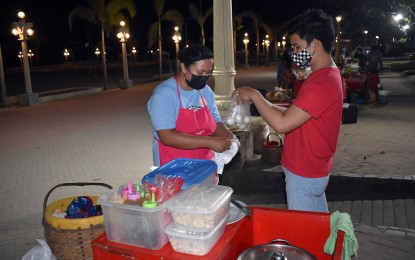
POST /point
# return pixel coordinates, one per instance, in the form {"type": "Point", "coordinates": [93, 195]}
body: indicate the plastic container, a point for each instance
{"type": "Point", "coordinates": [135, 225]}
{"type": "Point", "coordinates": [192, 171]}
{"type": "Point", "coordinates": [201, 207]}
{"type": "Point", "coordinates": [383, 97]}
{"type": "Point", "coordinates": [195, 243]}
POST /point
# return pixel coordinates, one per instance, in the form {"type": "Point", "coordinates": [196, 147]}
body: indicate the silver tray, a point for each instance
{"type": "Point", "coordinates": [235, 213]}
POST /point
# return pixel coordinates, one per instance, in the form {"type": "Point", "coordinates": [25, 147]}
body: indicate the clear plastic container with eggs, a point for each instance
{"type": "Point", "coordinates": [239, 115]}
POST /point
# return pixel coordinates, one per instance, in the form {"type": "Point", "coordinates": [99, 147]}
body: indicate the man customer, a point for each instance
{"type": "Point", "coordinates": [311, 123]}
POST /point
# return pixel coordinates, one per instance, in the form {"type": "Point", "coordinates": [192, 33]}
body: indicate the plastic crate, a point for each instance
{"type": "Point", "coordinates": [192, 171]}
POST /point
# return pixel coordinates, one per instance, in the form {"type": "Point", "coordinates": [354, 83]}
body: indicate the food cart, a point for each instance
{"type": "Point", "coordinates": [362, 86]}
{"type": "Point", "coordinates": [306, 230]}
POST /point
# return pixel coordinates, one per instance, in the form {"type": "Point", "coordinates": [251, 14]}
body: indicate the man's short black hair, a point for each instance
{"type": "Point", "coordinates": [194, 52]}
{"type": "Point", "coordinates": [313, 23]}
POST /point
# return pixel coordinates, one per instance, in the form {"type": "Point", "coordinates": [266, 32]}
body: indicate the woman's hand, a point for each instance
{"type": "Point", "coordinates": [220, 144]}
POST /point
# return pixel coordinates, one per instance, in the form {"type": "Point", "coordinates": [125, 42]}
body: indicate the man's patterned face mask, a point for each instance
{"type": "Point", "coordinates": [302, 58]}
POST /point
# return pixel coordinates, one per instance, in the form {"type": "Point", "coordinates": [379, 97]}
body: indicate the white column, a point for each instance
{"type": "Point", "coordinates": [224, 62]}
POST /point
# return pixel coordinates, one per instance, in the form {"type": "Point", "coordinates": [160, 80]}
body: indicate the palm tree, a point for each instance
{"type": "Point", "coordinates": [257, 20]}
{"type": "Point", "coordinates": [200, 18]}
{"type": "Point", "coordinates": [107, 14]}
{"type": "Point", "coordinates": [155, 29]}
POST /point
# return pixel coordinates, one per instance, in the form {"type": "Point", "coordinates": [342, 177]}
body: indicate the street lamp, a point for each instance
{"type": "Point", "coordinates": [123, 35]}
{"type": "Point", "coordinates": [97, 52]}
{"type": "Point", "coordinates": [66, 54]}
{"type": "Point", "coordinates": [365, 32]}
{"type": "Point", "coordinates": [30, 54]}
{"type": "Point", "coordinates": [134, 51]}
{"type": "Point", "coordinates": [337, 57]}
{"type": "Point", "coordinates": [283, 42]}
{"type": "Point", "coordinates": [246, 41]}
{"type": "Point", "coordinates": [20, 55]}
{"type": "Point", "coordinates": [377, 39]}
{"type": "Point", "coordinates": [266, 48]}
{"type": "Point", "coordinates": [177, 38]}
{"type": "Point", "coordinates": [23, 30]}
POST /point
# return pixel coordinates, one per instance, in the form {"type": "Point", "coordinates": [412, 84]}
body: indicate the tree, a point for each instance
{"type": "Point", "coordinates": [154, 31]}
{"type": "Point", "coordinates": [257, 20]}
{"type": "Point", "coordinates": [200, 18]}
{"type": "Point", "coordinates": [105, 13]}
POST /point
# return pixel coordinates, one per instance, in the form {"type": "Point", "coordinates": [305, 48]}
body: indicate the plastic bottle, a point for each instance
{"type": "Point", "coordinates": [150, 203]}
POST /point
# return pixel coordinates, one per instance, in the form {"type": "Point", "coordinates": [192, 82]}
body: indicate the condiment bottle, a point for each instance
{"type": "Point", "coordinates": [134, 199]}
{"type": "Point", "coordinates": [150, 204]}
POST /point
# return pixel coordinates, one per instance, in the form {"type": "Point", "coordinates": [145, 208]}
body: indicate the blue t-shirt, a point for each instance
{"type": "Point", "coordinates": [164, 106]}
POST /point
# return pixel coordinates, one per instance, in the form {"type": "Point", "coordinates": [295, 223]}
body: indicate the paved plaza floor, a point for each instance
{"type": "Point", "coordinates": [106, 137]}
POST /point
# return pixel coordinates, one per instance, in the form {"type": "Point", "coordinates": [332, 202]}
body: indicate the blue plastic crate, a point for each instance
{"type": "Point", "coordinates": [192, 171]}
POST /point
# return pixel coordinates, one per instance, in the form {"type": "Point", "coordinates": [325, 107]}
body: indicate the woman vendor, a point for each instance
{"type": "Point", "coordinates": [184, 114]}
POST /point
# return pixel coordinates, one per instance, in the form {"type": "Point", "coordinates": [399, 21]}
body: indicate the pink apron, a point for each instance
{"type": "Point", "coordinates": [200, 122]}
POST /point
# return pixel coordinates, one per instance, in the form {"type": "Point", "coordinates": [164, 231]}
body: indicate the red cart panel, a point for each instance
{"type": "Point", "coordinates": [306, 230]}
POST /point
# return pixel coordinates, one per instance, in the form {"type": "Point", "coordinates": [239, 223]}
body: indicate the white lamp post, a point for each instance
{"type": "Point", "coordinates": [177, 38]}
{"type": "Point", "coordinates": [23, 30]}
{"type": "Point", "coordinates": [66, 54]}
{"type": "Point", "coordinates": [365, 32]}
{"type": "Point", "coordinates": [97, 52]}
{"type": "Point", "coordinates": [30, 54]}
{"type": "Point", "coordinates": [123, 35]}
{"type": "Point", "coordinates": [266, 49]}
{"type": "Point", "coordinates": [20, 56]}
{"type": "Point", "coordinates": [134, 51]}
{"type": "Point", "coordinates": [377, 39]}
{"type": "Point", "coordinates": [337, 57]}
{"type": "Point", "coordinates": [283, 42]}
{"type": "Point", "coordinates": [246, 41]}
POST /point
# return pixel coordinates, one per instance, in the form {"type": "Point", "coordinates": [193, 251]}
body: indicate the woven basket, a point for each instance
{"type": "Point", "coordinates": [71, 238]}
{"type": "Point", "coordinates": [272, 150]}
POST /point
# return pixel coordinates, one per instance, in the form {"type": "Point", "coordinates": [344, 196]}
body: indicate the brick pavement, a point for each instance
{"type": "Point", "coordinates": [105, 137]}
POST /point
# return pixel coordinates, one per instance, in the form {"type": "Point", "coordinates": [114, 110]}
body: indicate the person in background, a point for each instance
{"type": "Point", "coordinates": [287, 73]}
{"type": "Point", "coordinates": [361, 56]}
{"type": "Point", "coordinates": [184, 114]}
{"type": "Point", "coordinates": [311, 123]}
{"type": "Point", "coordinates": [280, 70]}
{"type": "Point", "coordinates": [374, 60]}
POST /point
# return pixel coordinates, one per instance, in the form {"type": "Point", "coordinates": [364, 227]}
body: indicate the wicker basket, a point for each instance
{"type": "Point", "coordinates": [71, 238]}
{"type": "Point", "coordinates": [272, 150]}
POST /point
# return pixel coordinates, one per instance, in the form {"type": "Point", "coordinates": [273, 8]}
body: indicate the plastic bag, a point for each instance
{"type": "Point", "coordinates": [41, 251]}
{"type": "Point", "coordinates": [224, 158]}
{"type": "Point", "coordinates": [164, 188]}
{"type": "Point", "coordinates": [239, 115]}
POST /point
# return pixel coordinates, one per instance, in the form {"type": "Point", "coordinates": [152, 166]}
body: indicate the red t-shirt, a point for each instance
{"type": "Point", "coordinates": [309, 149]}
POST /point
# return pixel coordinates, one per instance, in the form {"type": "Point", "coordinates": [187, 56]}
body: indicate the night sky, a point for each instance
{"type": "Point", "coordinates": [52, 33]}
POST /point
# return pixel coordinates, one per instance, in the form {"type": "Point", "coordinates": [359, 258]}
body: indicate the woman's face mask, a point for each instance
{"type": "Point", "coordinates": [302, 58]}
{"type": "Point", "coordinates": [197, 81]}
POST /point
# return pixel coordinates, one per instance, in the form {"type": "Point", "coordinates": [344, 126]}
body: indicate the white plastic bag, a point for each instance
{"type": "Point", "coordinates": [239, 115]}
{"type": "Point", "coordinates": [224, 158]}
{"type": "Point", "coordinates": [41, 251]}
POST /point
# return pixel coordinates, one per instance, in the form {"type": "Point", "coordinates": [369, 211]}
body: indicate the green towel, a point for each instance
{"type": "Point", "coordinates": [341, 221]}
